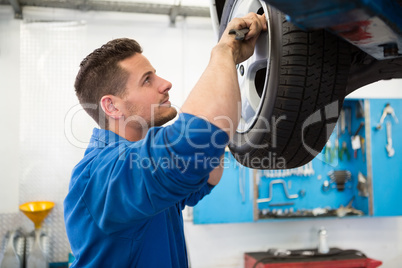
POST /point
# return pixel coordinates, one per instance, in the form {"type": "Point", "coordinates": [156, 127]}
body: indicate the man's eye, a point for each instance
{"type": "Point", "coordinates": [147, 80]}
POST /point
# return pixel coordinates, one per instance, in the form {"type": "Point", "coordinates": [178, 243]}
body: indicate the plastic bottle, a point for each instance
{"type": "Point", "coordinates": [322, 241]}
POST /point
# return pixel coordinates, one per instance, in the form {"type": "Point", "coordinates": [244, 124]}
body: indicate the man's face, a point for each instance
{"type": "Point", "coordinates": [147, 98]}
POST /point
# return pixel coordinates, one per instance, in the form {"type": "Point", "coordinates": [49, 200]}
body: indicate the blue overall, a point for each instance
{"type": "Point", "coordinates": [125, 198]}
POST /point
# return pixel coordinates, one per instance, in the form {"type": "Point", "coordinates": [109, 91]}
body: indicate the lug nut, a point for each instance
{"type": "Point", "coordinates": [241, 70]}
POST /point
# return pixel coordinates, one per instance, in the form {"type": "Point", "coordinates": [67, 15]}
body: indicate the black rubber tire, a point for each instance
{"type": "Point", "coordinates": [219, 4]}
{"type": "Point", "coordinates": [307, 82]}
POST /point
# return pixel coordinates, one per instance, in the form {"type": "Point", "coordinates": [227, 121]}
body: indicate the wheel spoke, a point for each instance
{"type": "Point", "coordinates": [247, 109]}
{"type": "Point", "coordinates": [245, 87]}
{"type": "Point", "coordinates": [244, 7]}
{"type": "Point", "coordinates": [261, 51]}
{"type": "Point", "coordinates": [252, 72]}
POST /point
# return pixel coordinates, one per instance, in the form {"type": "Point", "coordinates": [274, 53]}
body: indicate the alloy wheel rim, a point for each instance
{"type": "Point", "coordinates": [253, 73]}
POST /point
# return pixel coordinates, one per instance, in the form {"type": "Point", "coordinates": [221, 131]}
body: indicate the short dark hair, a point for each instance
{"type": "Point", "coordinates": [100, 75]}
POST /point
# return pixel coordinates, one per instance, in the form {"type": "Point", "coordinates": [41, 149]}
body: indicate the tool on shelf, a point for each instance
{"type": "Point", "coordinates": [343, 151]}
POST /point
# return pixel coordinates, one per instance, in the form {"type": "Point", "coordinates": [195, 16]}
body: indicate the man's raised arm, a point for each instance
{"type": "Point", "coordinates": [216, 96]}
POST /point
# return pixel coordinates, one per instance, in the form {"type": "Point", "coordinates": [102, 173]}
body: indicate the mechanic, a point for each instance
{"type": "Point", "coordinates": [125, 196]}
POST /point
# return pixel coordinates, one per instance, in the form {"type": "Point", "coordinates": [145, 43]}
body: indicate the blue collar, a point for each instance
{"type": "Point", "coordinates": [102, 138]}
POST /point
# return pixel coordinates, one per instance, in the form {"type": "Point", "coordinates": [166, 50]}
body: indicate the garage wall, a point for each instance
{"type": "Point", "coordinates": [180, 54]}
{"type": "Point", "coordinates": [381, 89]}
{"type": "Point", "coordinates": [10, 94]}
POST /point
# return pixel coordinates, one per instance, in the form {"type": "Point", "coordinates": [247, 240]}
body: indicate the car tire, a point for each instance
{"type": "Point", "coordinates": [303, 88]}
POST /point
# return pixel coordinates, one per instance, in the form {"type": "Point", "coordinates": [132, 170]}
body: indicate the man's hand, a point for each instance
{"type": "Point", "coordinates": [242, 50]}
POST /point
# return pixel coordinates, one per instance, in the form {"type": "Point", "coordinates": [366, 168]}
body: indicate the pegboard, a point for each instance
{"type": "Point", "coordinates": [381, 172]}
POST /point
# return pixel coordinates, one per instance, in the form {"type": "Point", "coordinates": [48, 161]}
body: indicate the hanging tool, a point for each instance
{"type": "Point", "coordinates": [342, 121]}
{"type": "Point", "coordinates": [359, 128]}
{"type": "Point", "coordinates": [325, 186]}
{"type": "Point", "coordinates": [340, 177]}
{"type": "Point", "coordinates": [388, 110]}
{"type": "Point", "coordinates": [388, 147]}
{"type": "Point", "coordinates": [329, 153]}
{"type": "Point", "coordinates": [242, 182]}
{"type": "Point", "coordinates": [343, 151]}
{"type": "Point", "coordinates": [343, 211]}
{"type": "Point", "coordinates": [338, 128]}
{"type": "Point", "coordinates": [362, 185]}
{"type": "Point", "coordinates": [355, 139]}
{"type": "Point", "coordinates": [270, 194]}
{"type": "Point", "coordinates": [302, 193]}
{"type": "Point", "coordinates": [360, 109]}
{"type": "Point", "coordinates": [348, 119]}
{"type": "Point", "coordinates": [310, 170]}
{"type": "Point", "coordinates": [363, 144]}
{"type": "Point", "coordinates": [337, 148]}
{"type": "Point", "coordinates": [240, 34]}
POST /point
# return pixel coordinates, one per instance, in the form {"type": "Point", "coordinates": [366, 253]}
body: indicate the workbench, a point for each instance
{"type": "Point", "coordinates": [335, 258]}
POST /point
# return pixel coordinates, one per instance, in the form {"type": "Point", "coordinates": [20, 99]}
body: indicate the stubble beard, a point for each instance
{"type": "Point", "coordinates": [160, 119]}
{"type": "Point", "coordinates": [157, 119]}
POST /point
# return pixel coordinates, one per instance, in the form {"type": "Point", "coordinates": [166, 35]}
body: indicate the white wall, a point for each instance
{"type": "Point", "coordinates": [223, 245]}
{"type": "Point", "coordinates": [180, 53]}
{"type": "Point", "coordinates": [380, 90]}
{"type": "Point", "coordinates": [10, 95]}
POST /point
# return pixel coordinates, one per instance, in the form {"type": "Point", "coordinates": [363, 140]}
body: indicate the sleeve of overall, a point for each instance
{"type": "Point", "coordinates": [195, 197]}
{"type": "Point", "coordinates": [155, 173]}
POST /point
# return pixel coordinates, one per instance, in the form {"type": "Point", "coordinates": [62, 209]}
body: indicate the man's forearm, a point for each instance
{"type": "Point", "coordinates": [216, 174]}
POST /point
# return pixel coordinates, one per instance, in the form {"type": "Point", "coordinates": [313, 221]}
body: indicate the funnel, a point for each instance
{"type": "Point", "coordinates": [37, 211]}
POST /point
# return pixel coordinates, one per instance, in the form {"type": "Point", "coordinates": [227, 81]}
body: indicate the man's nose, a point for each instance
{"type": "Point", "coordinates": [164, 86]}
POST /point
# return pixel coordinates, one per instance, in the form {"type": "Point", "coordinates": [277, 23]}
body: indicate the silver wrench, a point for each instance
{"type": "Point", "coordinates": [269, 198]}
{"type": "Point", "coordinates": [390, 150]}
{"type": "Point", "coordinates": [388, 110]}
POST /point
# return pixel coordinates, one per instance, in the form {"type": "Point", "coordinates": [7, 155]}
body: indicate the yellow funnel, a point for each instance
{"type": "Point", "coordinates": [37, 211]}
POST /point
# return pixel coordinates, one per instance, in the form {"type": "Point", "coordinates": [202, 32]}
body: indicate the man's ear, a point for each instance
{"type": "Point", "coordinates": [109, 107]}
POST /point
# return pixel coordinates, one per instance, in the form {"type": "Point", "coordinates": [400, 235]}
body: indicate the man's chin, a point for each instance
{"type": "Point", "coordinates": [163, 119]}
